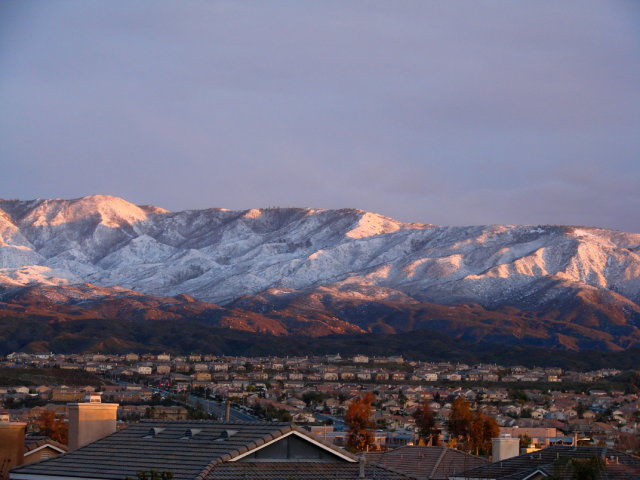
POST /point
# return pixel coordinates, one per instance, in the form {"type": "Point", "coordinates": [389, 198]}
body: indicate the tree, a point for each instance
{"type": "Point", "coordinates": [578, 468]}
{"type": "Point", "coordinates": [459, 423]}
{"type": "Point", "coordinates": [525, 413]}
{"type": "Point", "coordinates": [358, 419]}
{"type": "Point", "coordinates": [491, 430]}
{"type": "Point", "coordinates": [628, 442]}
{"type": "Point", "coordinates": [518, 395]}
{"type": "Point", "coordinates": [476, 432]}
{"type": "Point", "coordinates": [483, 429]}
{"type": "Point", "coordinates": [153, 475]}
{"type": "Point", "coordinates": [426, 423]}
{"type": "Point", "coordinates": [53, 426]}
{"type": "Point", "coordinates": [525, 441]}
{"type": "Point", "coordinates": [402, 399]}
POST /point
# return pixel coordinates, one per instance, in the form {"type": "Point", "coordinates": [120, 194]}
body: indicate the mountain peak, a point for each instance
{"type": "Point", "coordinates": [370, 224]}
{"type": "Point", "coordinates": [109, 210]}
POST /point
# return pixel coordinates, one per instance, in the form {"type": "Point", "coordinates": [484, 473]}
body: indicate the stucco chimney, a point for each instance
{"type": "Point", "coordinates": [90, 421]}
{"type": "Point", "coordinates": [11, 442]}
{"type": "Point", "coordinates": [504, 447]}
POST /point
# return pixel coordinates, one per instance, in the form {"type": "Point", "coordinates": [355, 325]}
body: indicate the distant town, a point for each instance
{"type": "Point", "coordinates": [541, 406]}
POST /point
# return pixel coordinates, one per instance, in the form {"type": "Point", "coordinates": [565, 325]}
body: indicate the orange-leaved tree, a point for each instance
{"type": "Point", "coordinates": [483, 429]}
{"type": "Point", "coordinates": [53, 426]}
{"type": "Point", "coordinates": [358, 419]}
{"type": "Point", "coordinates": [460, 419]}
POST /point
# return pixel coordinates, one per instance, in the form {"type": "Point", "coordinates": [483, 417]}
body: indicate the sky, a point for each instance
{"type": "Point", "coordinates": [451, 112]}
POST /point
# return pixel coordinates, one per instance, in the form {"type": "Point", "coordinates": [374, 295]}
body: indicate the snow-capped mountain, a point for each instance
{"type": "Point", "coordinates": [225, 256]}
{"type": "Point", "coordinates": [219, 255]}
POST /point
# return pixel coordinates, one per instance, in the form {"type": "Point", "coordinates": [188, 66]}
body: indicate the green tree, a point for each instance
{"type": "Point", "coordinates": [518, 396]}
{"type": "Point", "coordinates": [578, 468]}
{"type": "Point", "coordinates": [153, 475]}
{"type": "Point", "coordinates": [525, 441]}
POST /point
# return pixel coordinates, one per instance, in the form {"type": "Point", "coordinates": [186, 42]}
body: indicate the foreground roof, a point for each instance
{"type": "Point", "coordinates": [427, 463]}
{"type": "Point", "coordinates": [190, 450]}
{"type": "Point", "coordinates": [301, 471]}
{"type": "Point", "coordinates": [618, 465]}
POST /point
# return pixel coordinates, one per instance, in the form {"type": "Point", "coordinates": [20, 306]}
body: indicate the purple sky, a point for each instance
{"type": "Point", "coordinates": [446, 112]}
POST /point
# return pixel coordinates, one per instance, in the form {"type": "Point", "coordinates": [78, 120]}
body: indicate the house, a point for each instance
{"type": "Point", "coordinates": [168, 413]}
{"type": "Point", "coordinates": [208, 451]}
{"type": "Point", "coordinates": [548, 462]}
{"type": "Point", "coordinates": [540, 436]}
{"type": "Point", "coordinates": [38, 448]}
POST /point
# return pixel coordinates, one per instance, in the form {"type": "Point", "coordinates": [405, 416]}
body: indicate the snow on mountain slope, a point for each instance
{"type": "Point", "coordinates": [219, 255]}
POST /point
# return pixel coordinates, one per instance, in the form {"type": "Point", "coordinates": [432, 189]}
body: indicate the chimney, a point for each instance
{"type": "Point", "coordinates": [11, 442]}
{"type": "Point", "coordinates": [504, 447]}
{"type": "Point", "coordinates": [227, 412]}
{"type": "Point", "coordinates": [363, 463]}
{"type": "Point", "coordinates": [90, 421]}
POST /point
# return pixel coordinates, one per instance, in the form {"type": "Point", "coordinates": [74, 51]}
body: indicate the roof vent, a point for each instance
{"type": "Point", "coordinates": [226, 434]}
{"type": "Point", "coordinates": [153, 432]}
{"type": "Point", "coordinates": [190, 433]}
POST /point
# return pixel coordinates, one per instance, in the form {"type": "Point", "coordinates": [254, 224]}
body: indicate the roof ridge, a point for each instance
{"type": "Point", "coordinates": [213, 422]}
{"type": "Point", "coordinates": [392, 469]}
{"type": "Point", "coordinates": [437, 464]}
{"type": "Point", "coordinates": [276, 433]}
{"type": "Point", "coordinates": [326, 443]}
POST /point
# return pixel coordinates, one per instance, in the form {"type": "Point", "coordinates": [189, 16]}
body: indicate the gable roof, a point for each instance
{"type": "Point", "coordinates": [189, 449]}
{"type": "Point", "coordinates": [619, 465]}
{"type": "Point", "coordinates": [427, 463]}
{"type": "Point", "coordinates": [37, 443]}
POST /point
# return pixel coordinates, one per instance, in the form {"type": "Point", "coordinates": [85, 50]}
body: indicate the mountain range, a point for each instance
{"type": "Point", "coordinates": [316, 272]}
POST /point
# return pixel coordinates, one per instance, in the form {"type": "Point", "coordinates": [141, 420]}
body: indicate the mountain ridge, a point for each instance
{"type": "Point", "coordinates": [583, 281]}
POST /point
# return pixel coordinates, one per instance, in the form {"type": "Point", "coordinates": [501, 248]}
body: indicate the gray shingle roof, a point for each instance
{"type": "Point", "coordinates": [619, 465]}
{"type": "Point", "coordinates": [300, 471]}
{"type": "Point", "coordinates": [188, 449]}
{"type": "Point", "coordinates": [427, 463]}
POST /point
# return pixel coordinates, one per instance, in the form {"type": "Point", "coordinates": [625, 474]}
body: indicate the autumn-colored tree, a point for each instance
{"type": "Point", "coordinates": [358, 420]}
{"type": "Point", "coordinates": [53, 426]}
{"type": "Point", "coordinates": [460, 419]}
{"type": "Point", "coordinates": [628, 442]}
{"type": "Point", "coordinates": [426, 423]}
{"type": "Point", "coordinates": [483, 429]}
{"type": "Point", "coordinates": [476, 432]}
